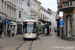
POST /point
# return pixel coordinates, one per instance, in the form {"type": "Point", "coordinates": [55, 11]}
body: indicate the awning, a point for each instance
{"type": "Point", "coordinates": [45, 22]}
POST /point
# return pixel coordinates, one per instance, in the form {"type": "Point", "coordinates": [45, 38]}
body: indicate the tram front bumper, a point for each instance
{"type": "Point", "coordinates": [30, 37]}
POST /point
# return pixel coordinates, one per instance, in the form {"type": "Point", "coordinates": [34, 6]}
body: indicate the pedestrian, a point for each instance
{"type": "Point", "coordinates": [0, 33]}
{"type": "Point", "coordinates": [9, 33]}
{"type": "Point", "coordinates": [12, 32]}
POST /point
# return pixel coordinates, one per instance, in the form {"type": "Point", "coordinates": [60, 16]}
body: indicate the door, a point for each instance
{"type": "Point", "coordinates": [69, 27]}
{"type": "Point", "coordinates": [19, 29]}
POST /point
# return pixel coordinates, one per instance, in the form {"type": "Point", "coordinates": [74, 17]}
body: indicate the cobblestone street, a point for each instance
{"type": "Point", "coordinates": [51, 42]}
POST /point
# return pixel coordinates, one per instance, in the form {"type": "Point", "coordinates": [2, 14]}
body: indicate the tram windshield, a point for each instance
{"type": "Point", "coordinates": [29, 27]}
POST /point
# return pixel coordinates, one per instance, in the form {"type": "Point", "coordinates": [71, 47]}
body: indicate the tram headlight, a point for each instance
{"type": "Point", "coordinates": [25, 34]}
{"type": "Point", "coordinates": [32, 34]}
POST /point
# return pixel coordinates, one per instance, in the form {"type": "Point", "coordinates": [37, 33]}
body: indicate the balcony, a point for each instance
{"type": "Point", "coordinates": [68, 5]}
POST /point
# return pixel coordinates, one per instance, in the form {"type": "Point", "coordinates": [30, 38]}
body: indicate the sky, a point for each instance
{"type": "Point", "coordinates": [52, 4]}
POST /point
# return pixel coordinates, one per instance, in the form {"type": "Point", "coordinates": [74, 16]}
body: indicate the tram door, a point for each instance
{"type": "Point", "coordinates": [69, 27]}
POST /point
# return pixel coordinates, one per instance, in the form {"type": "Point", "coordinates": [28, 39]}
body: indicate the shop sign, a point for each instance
{"type": "Point", "coordinates": [9, 22]}
{"type": "Point", "coordinates": [13, 23]}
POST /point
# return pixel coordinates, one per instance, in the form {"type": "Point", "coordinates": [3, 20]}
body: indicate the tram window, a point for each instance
{"type": "Point", "coordinates": [25, 30]}
{"type": "Point", "coordinates": [29, 28]}
{"type": "Point", "coordinates": [25, 27]}
{"type": "Point", "coordinates": [35, 29]}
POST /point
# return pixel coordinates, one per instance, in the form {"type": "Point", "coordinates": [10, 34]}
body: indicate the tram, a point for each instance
{"type": "Point", "coordinates": [30, 29]}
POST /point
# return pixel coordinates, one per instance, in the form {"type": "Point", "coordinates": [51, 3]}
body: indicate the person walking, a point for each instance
{"type": "Point", "coordinates": [12, 32]}
{"type": "Point", "coordinates": [9, 33]}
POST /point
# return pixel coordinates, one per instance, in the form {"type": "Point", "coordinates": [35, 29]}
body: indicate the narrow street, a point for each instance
{"type": "Point", "coordinates": [51, 42]}
{"type": "Point", "coordinates": [51, 23]}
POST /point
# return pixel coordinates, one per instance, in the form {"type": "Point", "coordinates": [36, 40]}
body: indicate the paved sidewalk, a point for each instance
{"type": "Point", "coordinates": [52, 42]}
{"type": "Point", "coordinates": [8, 40]}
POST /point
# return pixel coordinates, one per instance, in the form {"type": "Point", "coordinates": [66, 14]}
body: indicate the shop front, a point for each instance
{"type": "Point", "coordinates": [2, 26]}
{"type": "Point", "coordinates": [11, 25]}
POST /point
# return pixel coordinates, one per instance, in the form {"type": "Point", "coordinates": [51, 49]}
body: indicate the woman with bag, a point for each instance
{"type": "Point", "coordinates": [9, 33]}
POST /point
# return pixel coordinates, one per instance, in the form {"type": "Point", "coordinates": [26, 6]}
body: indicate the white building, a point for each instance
{"type": "Point", "coordinates": [19, 18]}
{"type": "Point", "coordinates": [44, 15]}
{"type": "Point", "coordinates": [52, 17]}
{"type": "Point", "coordinates": [11, 15]}
{"type": "Point", "coordinates": [23, 13]}
{"type": "Point", "coordinates": [53, 20]}
{"type": "Point", "coordinates": [48, 15]}
{"type": "Point", "coordinates": [26, 9]}
{"type": "Point", "coordinates": [34, 9]}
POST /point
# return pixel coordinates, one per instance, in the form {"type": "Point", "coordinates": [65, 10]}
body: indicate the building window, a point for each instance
{"type": "Point", "coordinates": [70, 3]}
{"type": "Point", "coordinates": [19, 14]}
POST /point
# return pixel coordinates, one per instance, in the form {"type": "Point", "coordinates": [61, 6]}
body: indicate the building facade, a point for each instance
{"type": "Point", "coordinates": [19, 18]}
{"type": "Point", "coordinates": [23, 13]}
{"type": "Point", "coordinates": [52, 17]}
{"type": "Point", "coordinates": [35, 11]}
{"type": "Point", "coordinates": [11, 15]}
{"type": "Point", "coordinates": [68, 8]}
{"type": "Point", "coordinates": [39, 9]}
{"type": "Point", "coordinates": [49, 16]}
{"type": "Point", "coordinates": [3, 17]}
{"type": "Point", "coordinates": [26, 10]}
{"type": "Point", "coordinates": [44, 15]}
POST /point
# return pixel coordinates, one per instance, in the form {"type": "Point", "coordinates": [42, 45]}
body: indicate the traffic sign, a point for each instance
{"type": "Point", "coordinates": [61, 23]}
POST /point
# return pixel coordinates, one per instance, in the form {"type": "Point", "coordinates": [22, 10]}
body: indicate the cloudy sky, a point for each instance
{"type": "Point", "coordinates": [52, 4]}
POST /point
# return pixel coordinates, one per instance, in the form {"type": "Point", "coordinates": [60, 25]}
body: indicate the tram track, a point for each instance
{"type": "Point", "coordinates": [20, 45]}
{"type": "Point", "coordinates": [11, 44]}
{"type": "Point", "coordinates": [29, 47]}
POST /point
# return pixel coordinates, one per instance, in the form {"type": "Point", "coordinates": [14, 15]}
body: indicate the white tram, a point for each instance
{"type": "Point", "coordinates": [30, 29]}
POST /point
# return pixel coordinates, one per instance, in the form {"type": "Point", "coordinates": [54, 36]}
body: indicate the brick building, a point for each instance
{"type": "Point", "coordinates": [68, 8]}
